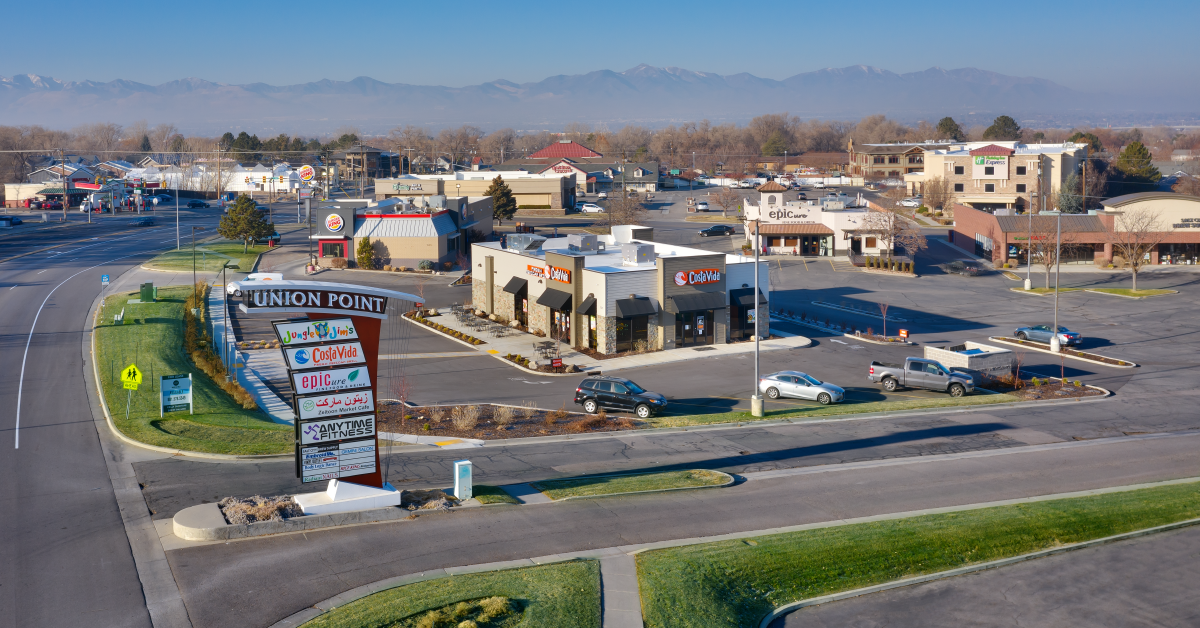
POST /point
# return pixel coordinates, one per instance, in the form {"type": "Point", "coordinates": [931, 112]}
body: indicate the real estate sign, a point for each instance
{"type": "Point", "coordinates": [337, 460]}
{"type": "Point", "coordinates": [176, 394]}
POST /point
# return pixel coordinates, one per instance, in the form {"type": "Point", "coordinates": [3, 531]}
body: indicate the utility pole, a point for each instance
{"type": "Point", "coordinates": [62, 169]}
{"type": "Point", "coordinates": [1083, 188]}
{"type": "Point", "coordinates": [756, 402]}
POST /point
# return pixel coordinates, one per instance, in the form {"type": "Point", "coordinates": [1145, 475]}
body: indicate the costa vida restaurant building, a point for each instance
{"type": "Point", "coordinates": [612, 293]}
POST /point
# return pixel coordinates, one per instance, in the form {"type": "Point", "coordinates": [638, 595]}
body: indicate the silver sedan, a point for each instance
{"type": "Point", "coordinates": [800, 386]}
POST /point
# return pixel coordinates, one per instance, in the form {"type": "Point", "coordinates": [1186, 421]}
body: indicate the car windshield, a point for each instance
{"type": "Point", "coordinates": [634, 388]}
{"type": "Point", "coordinates": [812, 380]}
{"type": "Point", "coordinates": [1063, 329]}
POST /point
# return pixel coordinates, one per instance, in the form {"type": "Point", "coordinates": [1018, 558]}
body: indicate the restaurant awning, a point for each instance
{"type": "Point", "coordinates": [555, 300]}
{"type": "Point", "coordinates": [794, 229]}
{"type": "Point", "coordinates": [698, 301]}
{"type": "Point", "coordinates": [588, 306]}
{"type": "Point", "coordinates": [635, 307]}
{"type": "Point", "coordinates": [515, 285]}
{"type": "Point", "coordinates": [745, 297]}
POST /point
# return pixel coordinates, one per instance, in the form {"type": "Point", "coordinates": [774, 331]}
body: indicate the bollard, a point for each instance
{"type": "Point", "coordinates": [462, 479]}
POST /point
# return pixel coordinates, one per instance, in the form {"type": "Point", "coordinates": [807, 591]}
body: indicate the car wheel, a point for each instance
{"type": "Point", "coordinates": [957, 390]}
{"type": "Point", "coordinates": [642, 411]}
{"type": "Point", "coordinates": [824, 399]}
{"type": "Point", "coordinates": [1022, 336]}
{"type": "Point", "coordinates": [890, 384]}
{"type": "Point", "coordinates": [590, 406]}
{"type": "Point", "coordinates": [773, 392]}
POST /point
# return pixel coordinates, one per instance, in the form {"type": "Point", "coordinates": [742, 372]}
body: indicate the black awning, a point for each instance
{"type": "Point", "coordinates": [588, 307]}
{"type": "Point", "coordinates": [745, 297]}
{"type": "Point", "coordinates": [515, 285]}
{"type": "Point", "coordinates": [697, 301]}
{"type": "Point", "coordinates": [635, 307]}
{"type": "Point", "coordinates": [555, 300]}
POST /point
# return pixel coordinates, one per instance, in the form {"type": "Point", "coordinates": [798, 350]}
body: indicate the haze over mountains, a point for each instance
{"type": "Point", "coordinates": [644, 95]}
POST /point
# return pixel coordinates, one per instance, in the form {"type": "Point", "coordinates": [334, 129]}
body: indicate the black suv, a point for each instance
{"type": "Point", "coordinates": [717, 230]}
{"type": "Point", "coordinates": [615, 393]}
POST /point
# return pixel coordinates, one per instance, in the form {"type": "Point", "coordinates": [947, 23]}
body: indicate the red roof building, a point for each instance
{"type": "Point", "coordinates": [566, 149]}
{"type": "Point", "coordinates": [991, 150]}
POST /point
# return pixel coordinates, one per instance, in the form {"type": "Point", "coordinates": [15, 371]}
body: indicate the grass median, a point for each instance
{"type": "Point", "coordinates": [736, 583]}
{"type": "Point", "coordinates": [546, 596]}
{"type": "Point", "coordinates": [485, 494]}
{"type": "Point", "coordinates": [1130, 292]}
{"type": "Point", "coordinates": [152, 338]}
{"type": "Point", "coordinates": [210, 256]}
{"type": "Point", "coordinates": [598, 485]}
{"type": "Point", "coordinates": [818, 411]}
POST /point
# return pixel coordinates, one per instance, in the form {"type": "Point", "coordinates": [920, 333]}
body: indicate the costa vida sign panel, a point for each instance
{"type": "Point", "coordinates": [560, 275]}
{"type": "Point", "coordinates": [295, 333]}
{"type": "Point", "coordinates": [336, 404]}
{"type": "Point", "coordinates": [332, 430]}
{"type": "Point", "coordinates": [329, 380]}
{"type": "Point", "coordinates": [324, 355]}
{"type": "Point", "coordinates": [697, 277]}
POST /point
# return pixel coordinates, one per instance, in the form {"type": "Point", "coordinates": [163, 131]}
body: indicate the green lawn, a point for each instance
{"type": "Point", "coordinates": [848, 407]}
{"type": "Point", "coordinates": [209, 256]}
{"type": "Point", "coordinates": [1129, 292]}
{"type": "Point", "coordinates": [618, 484]}
{"type": "Point", "coordinates": [1044, 291]}
{"type": "Point", "coordinates": [492, 495]}
{"type": "Point", "coordinates": [548, 596]}
{"type": "Point", "coordinates": [736, 583]}
{"type": "Point", "coordinates": [152, 337]}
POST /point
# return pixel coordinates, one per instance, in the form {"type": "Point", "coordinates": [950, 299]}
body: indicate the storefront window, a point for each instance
{"type": "Point", "coordinates": [1178, 253]}
{"type": "Point", "coordinates": [333, 249]}
{"type": "Point", "coordinates": [631, 330]}
{"type": "Point", "coordinates": [694, 328]}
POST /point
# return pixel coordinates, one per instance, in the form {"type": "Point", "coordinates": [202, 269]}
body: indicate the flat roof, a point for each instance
{"type": "Point", "coordinates": [609, 260]}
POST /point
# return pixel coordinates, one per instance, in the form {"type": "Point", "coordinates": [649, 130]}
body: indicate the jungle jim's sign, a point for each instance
{"type": "Point", "coordinates": [304, 332]}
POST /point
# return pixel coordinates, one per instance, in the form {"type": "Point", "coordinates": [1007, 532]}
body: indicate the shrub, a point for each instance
{"type": "Point", "coordinates": [1078, 384]}
{"type": "Point", "coordinates": [337, 262]}
{"type": "Point", "coordinates": [502, 415]}
{"type": "Point", "coordinates": [425, 264]}
{"type": "Point", "coordinates": [403, 269]}
{"type": "Point", "coordinates": [387, 267]}
{"type": "Point", "coordinates": [528, 409]}
{"type": "Point", "coordinates": [364, 254]}
{"type": "Point", "coordinates": [465, 417]}
{"type": "Point", "coordinates": [447, 265]}
{"type": "Point", "coordinates": [437, 413]}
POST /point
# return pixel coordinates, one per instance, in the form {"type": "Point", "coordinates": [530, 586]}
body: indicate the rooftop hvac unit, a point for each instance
{"type": "Point", "coordinates": [583, 243]}
{"type": "Point", "coordinates": [438, 201]}
{"type": "Point", "coordinates": [637, 254]}
{"type": "Point", "coordinates": [526, 242]}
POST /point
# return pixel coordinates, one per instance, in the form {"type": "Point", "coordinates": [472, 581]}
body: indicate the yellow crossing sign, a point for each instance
{"type": "Point", "coordinates": [131, 377]}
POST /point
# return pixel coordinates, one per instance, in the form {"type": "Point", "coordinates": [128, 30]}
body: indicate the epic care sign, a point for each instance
{"type": "Point", "coordinates": [697, 277]}
{"type": "Point", "coordinates": [308, 382]}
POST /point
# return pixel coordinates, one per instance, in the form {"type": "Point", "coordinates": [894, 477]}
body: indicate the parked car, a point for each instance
{"type": "Point", "coordinates": [602, 195]}
{"type": "Point", "coordinates": [1042, 333]}
{"type": "Point", "coordinates": [966, 268]}
{"type": "Point", "coordinates": [144, 222]}
{"type": "Point", "coordinates": [803, 196]}
{"type": "Point", "coordinates": [591, 208]}
{"type": "Point", "coordinates": [272, 240]}
{"type": "Point", "coordinates": [616, 393]}
{"type": "Point", "coordinates": [52, 205]}
{"type": "Point", "coordinates": [800, 386]}
{"type": "Point", "coordinates": [194, 203]}
{"type": "Point", "coordinates": [910, 202]}
{"type": "Point", "coordinates": [921, 373]}
{"type": "Point", "coordinates": [818, 186]}
{"type": "Point", "coordinates": [15, 221]}
{"type": "Point", "coordinates": [702, 206]}
{"type": "Point", "coordinates": [717, 230]}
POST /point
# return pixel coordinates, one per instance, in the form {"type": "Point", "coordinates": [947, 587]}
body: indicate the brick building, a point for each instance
{"type": "Point", "coordinates": [1000, 175]}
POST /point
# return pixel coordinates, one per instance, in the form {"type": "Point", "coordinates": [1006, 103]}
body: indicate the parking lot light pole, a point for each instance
{"type": "Point", "coordinates": [1055, 344]}
{"type": "Point", "coordinates": [756, 402]}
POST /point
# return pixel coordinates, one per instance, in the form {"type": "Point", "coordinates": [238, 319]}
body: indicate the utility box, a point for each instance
{"type": "Point", "coordinates": [637, 254]}
{"type": "Point", "coordinates": [462, 479]}
{"type": "Point", "coordinates": [583, 244]}
{"type": "Point", "coordinates": [149, 293]}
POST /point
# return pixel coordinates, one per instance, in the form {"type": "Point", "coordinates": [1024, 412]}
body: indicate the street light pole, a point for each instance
{"type": "Point", "coordinates": [756, 402]}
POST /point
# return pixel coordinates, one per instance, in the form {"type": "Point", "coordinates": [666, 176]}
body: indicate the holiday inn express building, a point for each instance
{"type": "Point", "coordinates": [612, 293]}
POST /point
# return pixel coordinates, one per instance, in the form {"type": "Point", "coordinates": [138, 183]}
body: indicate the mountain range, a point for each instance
{"type": "Point", "coordinates": [646, 95]}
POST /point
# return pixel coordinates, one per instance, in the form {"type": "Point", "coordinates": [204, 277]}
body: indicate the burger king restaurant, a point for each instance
{"type": "Point", "coordinates": [621, 292]}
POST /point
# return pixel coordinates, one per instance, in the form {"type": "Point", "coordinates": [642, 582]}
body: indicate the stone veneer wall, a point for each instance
{"type": "Point", "coordinates": [504, 304]}
{"type": "Point", "coordinates": [478, 293]}
{"type": "Point", "coordinates": [606, 334]}
{"type": "Point", "coordinates": [539, 318]}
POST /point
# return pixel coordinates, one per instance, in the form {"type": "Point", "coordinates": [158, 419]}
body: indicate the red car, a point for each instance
{"type": "Point", "coordinates": [52, 205]}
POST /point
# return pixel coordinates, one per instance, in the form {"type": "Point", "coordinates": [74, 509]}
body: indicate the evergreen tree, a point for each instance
{"type": "Point", "coordinates": [1135, 164]}
{"type": "Point", "coordinates": [775, 145]}
{"type": "Point", "coordinates": [948, 129]}
{"type": "Point", "coordinates": [226, 140]}
{"type": "Point", "coordinates": [244, 222]}
{"type": "Point", "coordinates": [145, 146]}
{"type": "Point", "coordinates": [1093, 142]}
{"type": "Point", "coordinates": [503, 203]}
{"type": "Point", "coordinates": [364, 254]}
{"type": "Point", "coordinates": [1003, 128]}
{"type": "Point", "coordinates": [1038, 137]}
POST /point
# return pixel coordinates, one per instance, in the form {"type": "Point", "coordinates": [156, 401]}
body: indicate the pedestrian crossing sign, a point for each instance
{"type": "Point", "coordinates": [131, 377]}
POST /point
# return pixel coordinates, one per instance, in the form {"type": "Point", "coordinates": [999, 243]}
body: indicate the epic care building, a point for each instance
{"type": "Point", "coordinates": [609, 292]}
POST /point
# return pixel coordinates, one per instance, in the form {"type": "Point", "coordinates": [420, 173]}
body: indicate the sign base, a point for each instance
{"type": "Point", "coordinates": [342, 496]}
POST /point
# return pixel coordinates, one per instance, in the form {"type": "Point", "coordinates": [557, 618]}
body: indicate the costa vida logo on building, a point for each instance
{"type": "Point", "coordinates": [697, 277]}
{"type": "Point", "coordinates": [560, 275]}
{"type": "Point", "coordinates": [334, 223]}
{"type": "Point", "coordinates": [330, 355]}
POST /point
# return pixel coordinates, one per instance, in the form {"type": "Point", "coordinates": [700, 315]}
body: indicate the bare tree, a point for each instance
{"type": "Point", "coordinates": [938, 193]}
{"type": "Point", "coordinates": [883, 308]}
{"type": "Point", "coordinates": [893, 229]}
{"type": "Point", "coordinates": [625, 210]}
{"type": "Point", "coordinates": [1044, 246]}
{"type": "Point", "coordinates": [1134, 235]}
{"type": "Point", "coordinates": [727, 198]}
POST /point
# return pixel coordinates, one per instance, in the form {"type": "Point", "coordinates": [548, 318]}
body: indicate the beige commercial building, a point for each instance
{"type": "Point", "coordinates": [1000, 175]}
{"type": "Point", "coordinates": [550, 193]}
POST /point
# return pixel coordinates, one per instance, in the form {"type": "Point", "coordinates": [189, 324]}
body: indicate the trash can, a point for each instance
{"type": "Point", "coordinates": [147, 295]}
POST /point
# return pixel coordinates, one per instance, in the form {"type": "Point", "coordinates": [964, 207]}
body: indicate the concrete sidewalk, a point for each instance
{"type": "Point", "coordinates": [521, 343]}
{"type": "Point", "coordinates": [261, 365]}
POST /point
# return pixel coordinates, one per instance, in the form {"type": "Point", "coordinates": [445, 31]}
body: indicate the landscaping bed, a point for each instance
{"type": "Point", "coordinates": [490, 422]}
{"type": "Point", "coordinates": [1043, 292]}
{"type": "Point", "coordinates": [1133, 294]}
{"type": "Point", "coordinates": [1039, 388]}
{"type": "Point", "coordinates": [738, 582]}
{"type": "Point", "coordinates": [594, 486]}
{"type": "Point", "coordinates": [153, 337]}
{"type": "Point", "coordinates": [545, 596]}
{"type": "Point", "coordinates": [532, 364]}
{"type": "Point", "coordinates": [241, 511]}
{"type": "Point", "coordinates": [210, 256]}
{"type": "Point", "coordinates": [1095, 357]}
{"type": "Point", "coordinates": [445, 330]}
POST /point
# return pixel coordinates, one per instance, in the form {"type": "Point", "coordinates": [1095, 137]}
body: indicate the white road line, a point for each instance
{"type": "Point", "coordinates": [21, 380]}
{"type": "Point", "coordinates": [13, 286]}
{"type": "Point", "coordinates": [42, 271]}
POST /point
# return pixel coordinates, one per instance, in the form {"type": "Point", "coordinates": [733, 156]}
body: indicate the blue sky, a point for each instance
{"type": "Point", "coordinates": [1092, 46]}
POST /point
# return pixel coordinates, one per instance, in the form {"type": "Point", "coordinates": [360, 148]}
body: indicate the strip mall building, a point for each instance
{"type": "Point", "coordinates": [611, 293]}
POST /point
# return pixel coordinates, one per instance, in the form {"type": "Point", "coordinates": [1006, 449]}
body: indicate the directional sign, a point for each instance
{"type": "Point", "coordinates": [104, 280]}
{"type": "Point", "coordinates": [131, 377]}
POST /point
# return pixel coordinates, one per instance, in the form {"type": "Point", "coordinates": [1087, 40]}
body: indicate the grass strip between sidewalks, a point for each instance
{"type": "Point", "coordinates": [486, 494]}
{"type": "Point", "coordinates": [548, 596]}
{"type": "Point", "coordinates": [1130, 292]}
{"type": "Point", "coordinates": [737, 583]}
{"type": "Point", "coordinates": [152, 337]}
{"type": "Point", "coordinates": [1043, 291]}
{"type": "Point", "coordinates": [817, 411]}
{"type": "Point", "coordinates": [210, 256]}
{"type": "Point", "coordinates": [597, 485]}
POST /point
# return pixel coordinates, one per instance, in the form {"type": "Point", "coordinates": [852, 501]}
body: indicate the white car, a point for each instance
{"type": "Point", "coordinates": [910, 202]}
{"type": "Point", "coordinates": [591, 208]}
{"type": "Point", "coordinates": [702, 206]}
{"type": "Point", "coordinates": [818, 186]}
{"type": "Point", "coordinates": [800, 386]}
{"type": "Point", "coordinates": [602, 195]}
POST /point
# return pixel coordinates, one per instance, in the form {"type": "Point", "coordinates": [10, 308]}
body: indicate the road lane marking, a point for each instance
{"type": "Point", "coordinates": [42, 271]}
{"type": "Point", "coordinates": [13, 286]}
{"type": "Point", "coordinates": [841, 342]}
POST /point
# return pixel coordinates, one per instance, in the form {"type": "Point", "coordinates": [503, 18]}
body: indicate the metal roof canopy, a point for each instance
{"type": "Point", "coordinates": [555, 299]}
{"type": "Point", "coordinates": [295, 285]}
{"type": "Point", "coordinates": [698, 301]}
{"type": "Point", "coordinates": [637, 306]}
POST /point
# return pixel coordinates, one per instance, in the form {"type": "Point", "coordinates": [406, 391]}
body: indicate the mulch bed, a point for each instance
{"type": "Point", "coordinates": [540, 423]}
{"type": "Point", "coordinates": [1068, 351]}
{"type": "Point", "coordinates": [1045, 390]}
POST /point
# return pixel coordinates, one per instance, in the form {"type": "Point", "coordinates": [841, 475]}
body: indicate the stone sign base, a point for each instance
{"type": "Point", "coordinates": [346, 497]}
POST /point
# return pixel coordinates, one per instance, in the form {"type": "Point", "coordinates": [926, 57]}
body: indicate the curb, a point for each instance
{"type": "Point", "coordinates": [166, 450]}
{"type": "Point", "coordinates": [1113, 294]}
{"type": "Point", "coordinates": [998, 339]}
{"type": "Point", "coordinates": [892, 273]}
{"type": "Point", "coordinates": [1003, 562]}
{"type": "Point", "coordinates": [1030, 293]}
{"type": "Point", "coordinates": [854, 311]}
{"type": "Point", "coordinates": [486, 353]}
{"type": "Point", "coordinates": [190, 531]}
{"type": "Point", "coordinates": [732, 480]}
{"type": "Point", "coordinates": [786, 319]}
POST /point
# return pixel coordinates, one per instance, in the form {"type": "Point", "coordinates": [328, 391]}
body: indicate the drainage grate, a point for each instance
{"type": "Point", "coordinates": [705, 349]}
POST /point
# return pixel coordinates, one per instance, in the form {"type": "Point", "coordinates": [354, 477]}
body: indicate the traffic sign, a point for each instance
{"type": "Point", "coordinates": [131, 377]}
{"type": "Point", "coordinates": [104, 280]}
{"type": "Point", "coordinates": [904, 334]}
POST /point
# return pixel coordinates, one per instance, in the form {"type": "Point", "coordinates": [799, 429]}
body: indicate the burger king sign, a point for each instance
{"type": "Point", "coordinates": [334, 223]}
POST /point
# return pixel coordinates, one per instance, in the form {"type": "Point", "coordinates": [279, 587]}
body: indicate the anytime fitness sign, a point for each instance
{"type": "Point", "coordinates": [697, 277]}
{"type": "Point", "coordinates": [312, 432]}
{"type": "Point", "coordinates": [317, 299]}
